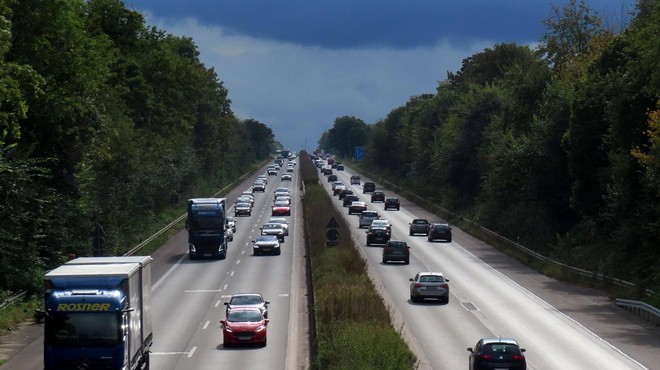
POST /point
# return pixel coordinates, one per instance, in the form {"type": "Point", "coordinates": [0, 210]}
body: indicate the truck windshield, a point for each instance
{"type": "Point", "coordinates": [83, 328]}
{"type": "Point", "coordinates": [205, 221]}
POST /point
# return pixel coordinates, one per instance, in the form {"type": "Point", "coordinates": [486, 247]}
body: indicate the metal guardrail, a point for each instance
{"type": "Point", "coordinates": [183, 216]}
{"type": "Point", "coordinates": [135, 249]}
{"type": "Point", "coordinates": [641, 309]}
{"type": "Point", "coordinates": [13, 298]}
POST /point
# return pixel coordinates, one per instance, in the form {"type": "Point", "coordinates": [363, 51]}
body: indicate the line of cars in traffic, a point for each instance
{"type": "Point", "coordinates": [246, 314]}
{"type": "Point", "coordinates": [488, 353]}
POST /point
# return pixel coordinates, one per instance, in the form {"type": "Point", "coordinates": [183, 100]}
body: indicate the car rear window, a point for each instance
{"type": "Point", "coordinates": [396, 245]}
{"type": "Point", "coordinates": [420, 222]}
{"type": "Point", "coordinates": [369, 214]}
{"type": "Point", "coordinates": [498, 348]}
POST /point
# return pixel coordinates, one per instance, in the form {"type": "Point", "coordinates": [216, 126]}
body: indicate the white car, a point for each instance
{"type": "Point", "coordinates": [281, 220]}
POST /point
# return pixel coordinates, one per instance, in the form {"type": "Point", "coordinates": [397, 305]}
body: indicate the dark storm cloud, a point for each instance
{"type": "Point", "coordinates": [361, 23]}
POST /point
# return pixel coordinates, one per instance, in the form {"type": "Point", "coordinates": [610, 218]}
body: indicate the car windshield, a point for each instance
{"type": "Point", "coordinates": [245, 300]}
{"type": "Point", "coordinates": [272, 226]}
{"type": "Point", "coordinates": [420, 222]}
{"type": "Point", "coordinates": [242, 205]}
{"type": "Point", "coordinates": [244, 316]}
{"type": "Point", "coordinates": [266, 238]}
{"type": "Point", "coordinates": [369, 214]}
{"type": "Point", "coordinates": [282, 203]}
{"type": "Point", "coordinates": [83, 328]}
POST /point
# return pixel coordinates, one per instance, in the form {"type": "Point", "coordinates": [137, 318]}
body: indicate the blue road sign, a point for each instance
{"type": "Point", "coordinates": [359, 153]}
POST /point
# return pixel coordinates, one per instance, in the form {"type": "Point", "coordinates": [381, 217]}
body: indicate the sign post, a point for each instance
{"type": "Point", "coordinates": [332, 235]}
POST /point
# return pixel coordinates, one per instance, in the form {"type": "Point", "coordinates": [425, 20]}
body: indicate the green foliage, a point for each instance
{"type": "Point", "coordinates": [105, 121]}
{"type": "Point", "coordinates": [346, 133]}
{"type": "Point", "coordinates": [353, 325]}
{"type": "Point", "coordinates": [361, 345]}
{"type": "Point", "coordinates": [556, 148]}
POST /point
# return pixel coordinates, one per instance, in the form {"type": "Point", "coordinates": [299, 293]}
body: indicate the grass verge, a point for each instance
{"type": "Point", "coordinates": [353, 327]}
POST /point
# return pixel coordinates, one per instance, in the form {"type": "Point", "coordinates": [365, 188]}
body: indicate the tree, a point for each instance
{"type": "Point", "coordinates": [346, 133]}
{"type": "Point", "coordinates": [569, 34]}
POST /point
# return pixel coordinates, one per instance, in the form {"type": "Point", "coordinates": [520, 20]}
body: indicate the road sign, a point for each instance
{"type": "Point", "coordinates": [332, 224]}
{"type": "Point", "coordinates": [332, 235]}
{"type": "Point", "coordinates": [359, 153]}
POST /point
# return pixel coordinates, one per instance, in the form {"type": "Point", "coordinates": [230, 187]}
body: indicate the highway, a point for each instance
{"type": "Point", "coordinates": [494, 295]}
{"type": "Point", "coordinates": [562, 326]}
{"type": "Point", "coordinates": [188, 297]}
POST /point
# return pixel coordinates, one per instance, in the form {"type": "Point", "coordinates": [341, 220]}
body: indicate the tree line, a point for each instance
{"type": "Point", "coordinates": [105, 123]}
{"type": "Point", "coordinates": [557, 146]}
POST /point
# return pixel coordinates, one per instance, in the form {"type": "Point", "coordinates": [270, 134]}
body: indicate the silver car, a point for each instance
{"type": "Point", "coordinates": [429, 285]}
{"type": "Point", "coordinates": [275, 229]}
{"type": "Point", "coordinates": [248, 300]}
{"type": "Point", "coordinates": [366, 217]}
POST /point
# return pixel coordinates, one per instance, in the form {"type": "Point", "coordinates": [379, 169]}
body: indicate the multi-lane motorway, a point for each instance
{"type": "Point", "coordinates": [561, 326]}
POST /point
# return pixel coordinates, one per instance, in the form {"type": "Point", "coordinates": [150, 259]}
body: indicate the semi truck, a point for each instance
{"type": "Point", "coordinates": [206, 227]}
{"type": "Point", "coordinates": [98, 314]}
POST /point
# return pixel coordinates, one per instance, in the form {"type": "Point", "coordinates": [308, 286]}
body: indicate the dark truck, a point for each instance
{"type": "Point", "coordinates": [206, 228]}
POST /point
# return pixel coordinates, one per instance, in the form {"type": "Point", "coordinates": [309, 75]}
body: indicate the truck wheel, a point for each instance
{"type": "Point", "coordinates": [146, 361]}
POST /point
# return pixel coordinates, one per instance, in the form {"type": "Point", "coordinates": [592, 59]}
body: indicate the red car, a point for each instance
{"type": "Point", "coordinates": [244, 326]}
{"type": "Point", "coordinates": [281, 208]}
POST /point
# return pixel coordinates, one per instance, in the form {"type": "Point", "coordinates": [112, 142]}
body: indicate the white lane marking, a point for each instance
{"type": "Point", "coordinates": [231, 273]}
{"type": "Point", "coordinates": [510, 280]}
{"type": "Point", "coordinates": [170, 271]}
{"type": "Point", "coordinates": [238, 262]}
{"type": "Point", "coordinates": [206, 325]}
{"type": "Point", "coordinates": [225, 287]}
{"type": "Point", "coordinates": [217, 303]}
{"type": "Point", "coordinates": [192, 351]}
{"type": "Point", "coordinates": [283, 295]}
{"type": "Point", "coordinates": [168, 353]}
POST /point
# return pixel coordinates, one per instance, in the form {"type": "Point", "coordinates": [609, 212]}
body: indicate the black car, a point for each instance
{"type": "Point", "coordinates": [332, 178]}
{"type": "Point", "coordinates": [350, 198]}
{"type": "Point", "coordinates": [368, 187]}
{"type": "Point", "coordinates": [377, 196]}
{"type": "Point", "coordinates": [419, 226]}
{"type": "Point", "coordinates": [396, 250]}
{"type": "Point", "coordinates": [440, 231]}
{"type": "Point", "coordinates": [392, 203]}
{"type": "Point", "coordinates": [497, 353]}
{"type": "Point", "coordinates": [344, 193]}
{"type": "Point", "coordinates": [377, 235]}
{"type": "Point", "coordinates": [340, 167]}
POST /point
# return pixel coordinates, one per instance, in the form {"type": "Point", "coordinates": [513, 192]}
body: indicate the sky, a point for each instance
{"type": "Point", "coordinates": [297, 65]}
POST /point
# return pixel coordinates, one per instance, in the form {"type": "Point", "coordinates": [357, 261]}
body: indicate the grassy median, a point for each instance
{"type": "Point", "coordinates": [352, 324]}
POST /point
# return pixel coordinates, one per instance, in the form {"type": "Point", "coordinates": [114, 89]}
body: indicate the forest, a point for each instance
{"type": "Point", "coordinates": [106, 123]}
{"type": "Point", "coordinates": [556, 146]}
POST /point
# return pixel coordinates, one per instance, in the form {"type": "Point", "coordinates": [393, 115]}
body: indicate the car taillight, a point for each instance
{"type": "Point", "coordinates": [418, 285]}
{"type": "Point", "coordinates": [517, 358]}
{"type": "Point", "coordinates": [485, 356]}
{"type": "Point", "coordinates": [444, 286]}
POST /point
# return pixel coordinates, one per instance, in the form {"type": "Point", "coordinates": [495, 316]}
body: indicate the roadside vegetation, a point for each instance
{"type": "Point", "coordinates": [107, 126]}
{"type": "Point", "coordinates": [352, 327]}
{"type": "Point", "coordinates": [555, 147]}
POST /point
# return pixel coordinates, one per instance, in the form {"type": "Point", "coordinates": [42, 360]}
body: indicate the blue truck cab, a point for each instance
{"type": "Point", "coordinates": [206, 228]}
{"type": "Point", "coordinates": [98, 314]}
